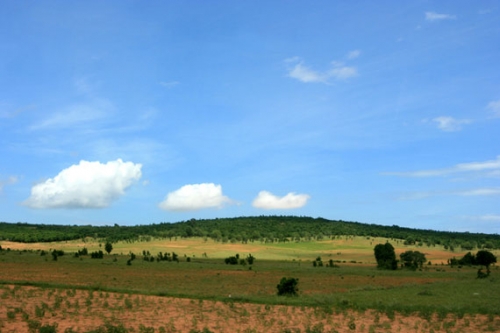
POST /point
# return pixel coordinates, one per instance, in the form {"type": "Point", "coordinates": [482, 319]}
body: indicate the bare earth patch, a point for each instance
{"type": "Point", "coordinates": [83, 310]}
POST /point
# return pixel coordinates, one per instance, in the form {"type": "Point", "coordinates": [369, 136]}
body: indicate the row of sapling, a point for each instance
{"type": "Point", "coordinates": [235, 260]}
{"type": "Point", "coordinates": [160, 256]}
{"type": "Point", "coordinates": [319, 263]}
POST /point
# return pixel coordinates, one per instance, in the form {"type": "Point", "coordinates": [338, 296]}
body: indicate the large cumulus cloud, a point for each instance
{"type": "Point", "coordinates": [195, 197]}
{"type": "Point", "coordinates": [267, 200]}
{"type": "Point", "coordinates": [85, 185]}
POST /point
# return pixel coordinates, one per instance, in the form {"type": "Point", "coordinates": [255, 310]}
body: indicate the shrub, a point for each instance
{"type": "Point", "coordinates": [288, 287]}
{"type": "Point", "coordinates": [97, 255]}
{"type": "Point", "coordinates": [48, 328]}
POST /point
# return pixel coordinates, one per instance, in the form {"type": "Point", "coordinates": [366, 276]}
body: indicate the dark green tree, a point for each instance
{"type": "Point", "coordinates": [413, 259]}
{"type": "Point", "coordinates": [485, 258]}
{"type": "Point", "coordinates": [108, 247]}
{"type": "Point", "coordinates": [288, 287]}
{"type": "Point", "coordinates": [385, 256]}
{"type": "Point", "coordinates": [250, 259]}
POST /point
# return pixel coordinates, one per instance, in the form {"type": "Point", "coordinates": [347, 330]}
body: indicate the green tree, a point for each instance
{"type": "Point", "coordinates": [485, 258]}
{"type": "Point", "coordinates": [108, 247]}
{"type": "Point", "coordinates": [413, 259]}
{"type": "Point", "coordinates": [385, 256]}
{"type": "Point", "coordinates": [250, 259]}
{"type": "Point", "coordinates": [288, 287]}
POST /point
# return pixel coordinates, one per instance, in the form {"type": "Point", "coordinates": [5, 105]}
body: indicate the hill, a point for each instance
{"type": "Point", "coordinates": [247, 229]}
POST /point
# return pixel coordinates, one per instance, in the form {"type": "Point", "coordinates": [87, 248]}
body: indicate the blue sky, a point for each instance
{"type": "Point", "coordinates": [138, 112]}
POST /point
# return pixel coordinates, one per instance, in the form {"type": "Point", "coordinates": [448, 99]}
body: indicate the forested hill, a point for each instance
{"type": "Point", "coordinates": [247, 229]}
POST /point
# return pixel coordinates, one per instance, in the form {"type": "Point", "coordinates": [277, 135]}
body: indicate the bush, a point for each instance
{"type": "Point", "coordinates": [48, 328]}
{"type": "Point", "coordinates": [97, 255]}
{"type": "Point", "coordinates": [288, 287]}
{"type": "Point", "coordinates": [231, 260]}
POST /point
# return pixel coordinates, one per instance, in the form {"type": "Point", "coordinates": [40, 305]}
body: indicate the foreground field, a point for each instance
{"type": "Point", "coordinates": [201, 291]}
{"type": "Point", "coordinates": [71, 310]}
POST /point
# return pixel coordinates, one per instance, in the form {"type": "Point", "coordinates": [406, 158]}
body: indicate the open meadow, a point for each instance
{"type": "Point", "coordinates": [201, 292]}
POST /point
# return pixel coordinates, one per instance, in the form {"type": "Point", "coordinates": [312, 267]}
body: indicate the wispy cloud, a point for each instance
{"type": "Point", "coordinates": [494, 107]}
{"type": "Point", "coordinates": [267, 200]}
{"type": "Point", "coordinates": [450, 124]}
{"type": "Point", "coordinates": [353, 54]}
{"type": "Point", "coordinates": [479, 192]}
{"type": "Point", "coordinates": [9, 181]}
{"type": "Point", "coordinates": [337, 70]}
{"type": "Point", "coordinates": [195, 197]}
{"type": "Point", "coordinates": [169, 84]}
{"type": "Point", "coordinates": [466, 193]}
{"type": "Point", "coordinates": [433, 16]}
{"type": "Point", "coordinates": [492, 165]}
{"type": "Point", "coordinates": [75, 115]}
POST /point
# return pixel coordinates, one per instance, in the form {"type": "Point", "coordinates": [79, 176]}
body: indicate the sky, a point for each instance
{"type": "Point", "coordinates": [140, 112]}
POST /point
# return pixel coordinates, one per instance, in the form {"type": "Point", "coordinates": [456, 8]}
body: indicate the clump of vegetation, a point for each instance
{"type": "Point", "coordinates": [97, 255]}
{"type": "Point", "coordinates": [56, 254]}
{"type": "Point", "coordinates": [483, 258]}
{"type": "Point", "coordinates": [288, 287]}
{"type": "Point", "coordinates": [413, 259]}
{"type": "Point", "coordinates": [235, 260]}
{"type": "Point", "coordinates": [318, 262]}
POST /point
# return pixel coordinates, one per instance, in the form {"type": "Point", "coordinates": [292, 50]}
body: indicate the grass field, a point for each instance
{"type": "Point", "coordinates": [437, 290]}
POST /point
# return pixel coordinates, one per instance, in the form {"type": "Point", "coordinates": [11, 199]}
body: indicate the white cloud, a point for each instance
{"type": "Point", "coordinates": [450, 124]}
{"type": "Point", "coordinates": [492, 165]}
{"type": "Point", "coordinates": [9, 181]}
{"type": "Point", "coordinates": [86, 185]}
{"type": "Point", "coordinates": [194, 197]}
{"type": "Point", "coordinates": [304, 74]}
{"type": "Point", "coordinates": [494, 106]}
{"type": "Point", "coordinates": [432, 16]}
{"type": "Point", "coordinates": [267, 200]}
{"type": "Point", "coordinates": [338, 70]}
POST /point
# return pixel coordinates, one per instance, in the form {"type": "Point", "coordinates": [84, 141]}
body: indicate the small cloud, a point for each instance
{"type": "Point", "coordinates": [450, 124]}
{"type": "Point", "coordinates": [353, 54]}
{"type": "Point", "coordinates": [169, 84]}
{"type": "Point", "coordinates": [267, 200]}
{"type": "Point", "coordinates": [304, 74]}
{"type": "Point", "coordinates": [432, 16]}
{"type": "Point", "coordinates": [338, 70]}
{"type": "Point", "coordinates": [85, 185]}
{"type": "Point", "coordinates": [195, 197]}
{"type": "Point", "coordinates": [494, 107]}
{"type": "Point", "coordinates": [9, 181]}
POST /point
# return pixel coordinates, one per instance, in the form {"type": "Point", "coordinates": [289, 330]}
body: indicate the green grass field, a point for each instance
{"type": "Point", "coordinates": [435, 289]}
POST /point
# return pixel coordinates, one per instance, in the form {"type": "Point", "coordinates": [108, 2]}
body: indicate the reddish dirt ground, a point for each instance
{"type": "Point", "coordinates": [83, 311]}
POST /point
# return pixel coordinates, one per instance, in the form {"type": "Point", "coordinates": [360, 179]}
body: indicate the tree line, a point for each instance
{"type": "Point", "coordinates": [247, 229]}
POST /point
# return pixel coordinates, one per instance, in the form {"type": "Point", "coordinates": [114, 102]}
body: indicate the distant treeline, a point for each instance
{"type": "Point", "coordinates": [248, 229]}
